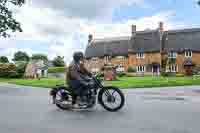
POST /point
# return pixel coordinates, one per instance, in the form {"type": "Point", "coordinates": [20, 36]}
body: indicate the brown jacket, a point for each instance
{"type": "Point", "coordinates": [76, 71]}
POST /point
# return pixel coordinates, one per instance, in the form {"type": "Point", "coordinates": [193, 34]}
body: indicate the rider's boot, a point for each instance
{"type": "Point", "coordinates": [82, 101]}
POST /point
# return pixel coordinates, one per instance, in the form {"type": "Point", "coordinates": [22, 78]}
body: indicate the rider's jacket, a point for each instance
{"type": "Point", "coordinates": [76, 71]}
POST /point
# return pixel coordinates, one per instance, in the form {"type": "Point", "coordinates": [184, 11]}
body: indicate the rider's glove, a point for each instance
{"type": "Point", "coordinates": [90, 74]}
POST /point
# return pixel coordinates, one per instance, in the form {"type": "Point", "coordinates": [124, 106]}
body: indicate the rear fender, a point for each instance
{"type": "Point", "coordinates": [53, 91]}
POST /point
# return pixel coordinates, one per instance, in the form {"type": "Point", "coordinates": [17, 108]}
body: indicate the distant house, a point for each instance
{"type": "Point", "coordinates": [149, 52]}
{"type": "Point", "coordinates": [50, 64]}
{"type": "Point", "coordinates": [36, 69]}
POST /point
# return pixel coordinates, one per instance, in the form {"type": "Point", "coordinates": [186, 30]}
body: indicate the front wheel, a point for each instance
{"type": "Point", "coordinates": [111, 98]}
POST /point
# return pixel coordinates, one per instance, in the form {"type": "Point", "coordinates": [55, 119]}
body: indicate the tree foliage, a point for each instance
{"type": "Point", "coordinates": [20, 68]}
{"type": "Point", "coordinates": [8, 71]}
{"type": "Point", "coordinates": [39, 57]}
{"type": "Point", "coordinates": [56, 69]}
{"type": "Point", "coordinates": [21, 56]}
{"type": "Point", "coordinates": [198, 2]}
{"type": "Point", "coordinates": [7, 22]}
{"type": "Point", "coordinates": [59, 61]}
{"type": "Point", "coordinates": [4, 59]}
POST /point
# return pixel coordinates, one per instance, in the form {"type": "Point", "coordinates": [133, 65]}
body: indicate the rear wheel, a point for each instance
{"type": "Point", "coordinates": [111, 98]}
{"type": "Point", "coordinates": [63, 100]}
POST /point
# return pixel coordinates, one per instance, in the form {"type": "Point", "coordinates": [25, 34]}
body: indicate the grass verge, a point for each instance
{"type": "Point", "coordinates": [122, 82]}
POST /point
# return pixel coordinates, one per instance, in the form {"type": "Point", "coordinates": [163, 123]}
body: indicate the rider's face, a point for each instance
{"type": "Point", "coordinates": [82, 60]}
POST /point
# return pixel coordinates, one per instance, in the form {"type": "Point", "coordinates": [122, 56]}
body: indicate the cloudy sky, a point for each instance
{"type": "Point", "coordinates": [60, 27]}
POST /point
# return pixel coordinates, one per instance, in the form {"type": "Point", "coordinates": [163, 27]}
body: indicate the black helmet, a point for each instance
{"type": "Point", "coordinates": [77, 56]}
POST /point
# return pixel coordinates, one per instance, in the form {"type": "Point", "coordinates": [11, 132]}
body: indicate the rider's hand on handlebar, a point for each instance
{"type": "Point", "coordinates": [90, 74]}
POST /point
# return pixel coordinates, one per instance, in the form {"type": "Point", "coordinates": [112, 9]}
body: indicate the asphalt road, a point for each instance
{"type": "Point", "coordinates": [27, 110]}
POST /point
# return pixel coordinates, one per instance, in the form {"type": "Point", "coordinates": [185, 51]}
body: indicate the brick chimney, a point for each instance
{"type": "Point", "coordinates": [90, 38]}
{"type": "Point", "coordinates": [161, 26]}
{"type": "Point", "coordinates": [161, 32]}
{"type": "Point", "coordinates": [133, 30]}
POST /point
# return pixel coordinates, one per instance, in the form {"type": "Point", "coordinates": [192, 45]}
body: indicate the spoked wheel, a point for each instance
{"type": "Point", "coordinates": [63, 100]}
{"type": "Point", "coordinates": [111, 98]}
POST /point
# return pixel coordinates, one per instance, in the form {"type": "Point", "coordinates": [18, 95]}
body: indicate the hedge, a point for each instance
{"type": "Point", "coordinates": [56, 69]}
{"type": "Point", "coordinates": [131, 69]}
{"type": "Point", "coordinates": [8, 71]}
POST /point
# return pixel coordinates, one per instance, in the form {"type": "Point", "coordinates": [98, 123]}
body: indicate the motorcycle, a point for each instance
{"type": "Point", "coordinates": [110, 98]}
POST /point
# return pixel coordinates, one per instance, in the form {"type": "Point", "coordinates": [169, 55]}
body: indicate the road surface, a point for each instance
{"type": "Point", "coordinates": [28, 110]}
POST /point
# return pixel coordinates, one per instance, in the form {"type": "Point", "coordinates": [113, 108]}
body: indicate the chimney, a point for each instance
{"type": "Point", "coordinates": [133, 30]}
{"type": "Point", "coordinates": [161, 32]}
{"type": "Point", "coordinates": [161, 26]}
{"type": "Point", "coordinates": [90, 38]}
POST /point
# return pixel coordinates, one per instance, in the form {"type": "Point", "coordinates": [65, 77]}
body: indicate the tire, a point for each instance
{"type": "Point", "coordinates": [66, 107]}
{"type": "Point", "coordinates": [100, 99]}
{"type": "Point", "coordinates": [61, 107]}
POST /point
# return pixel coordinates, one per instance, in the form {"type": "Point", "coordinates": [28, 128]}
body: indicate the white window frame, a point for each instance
{"type": "Point", "coordinates": [140, 55]}
{"type": "Point", "coordinates": [95, 59]}
{"type": "Point", "coordinates": [188, 53]}
{"type": "Point", "coordinates": [106, 59]}
{"type": "Point", "coordinates": [120, 57]}
{"type": "Point", "coordinates": [140, 69]}
{"type": "Point", "coordinates": [172, 54]}
{"type": "Point", "coordinates": [120, 68]}
{"type": "Point", "coordinates": [173, 68]}
{"type": "Point", "coordinates": [95, 70]}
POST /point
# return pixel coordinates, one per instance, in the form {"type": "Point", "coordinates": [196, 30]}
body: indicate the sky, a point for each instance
{"type": "Point", "coordinates": [61, 27]}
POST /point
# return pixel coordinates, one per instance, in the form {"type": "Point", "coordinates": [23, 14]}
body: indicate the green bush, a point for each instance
{"type": "Point", "coordinates": [164, 74]}
{"type": "Point", "coordinates": [56, 69]}
{"type": "Point", "coordinates": [14, 75]}
{"type": "Point", "coordinates": [8, 71]}
{"type": "Point", "coordinates": [168, 74]}
{"type": "Point", "coordinates": [179, 75]}
{"type": "Point", "coordinates": [131, 69]}
{"type": "Point", "coordinates": [100, 74]}
{"type": "Point", "coordinates": [20, 68]}
{"type": "Point", "coordinates": [121, 74]}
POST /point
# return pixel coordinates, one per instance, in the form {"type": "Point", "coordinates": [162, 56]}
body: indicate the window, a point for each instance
{"type": "Point", "coordinates": [120, 68]}
{"type": "Point", "coordinates": [94, 59]}
{"type": "Point", "coordinates": [172, 54]}
{"type": "Point", "coordinates": [140, 55]}
{"type": "Point", "coordinates": [95, 70]}
{"type": "Point", "coordinates": [106, 59]}
{"type": "Point", "coordinates": [120, 57]}
{"type": "Point", "coordinates": [140, 68]}
{"type": "Point", "coordinates": [173, 68]}
{"type": "Point", "coordinates": [188, 53]}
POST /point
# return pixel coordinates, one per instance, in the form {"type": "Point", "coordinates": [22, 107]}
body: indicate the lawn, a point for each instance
{"type": "Point", "coordinates": [45, 82]}
{"type": "Point", "coordinates": [141, 82]}
{"type": "Point", "coordinates": [123, 82]}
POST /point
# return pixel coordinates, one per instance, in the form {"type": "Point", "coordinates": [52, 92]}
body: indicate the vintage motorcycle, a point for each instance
{"type": "Point", "coordinates": [111, 98]}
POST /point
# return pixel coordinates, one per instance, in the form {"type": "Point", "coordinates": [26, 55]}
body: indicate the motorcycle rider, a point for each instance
{"type": "Point", "coordinates": [76, 77]}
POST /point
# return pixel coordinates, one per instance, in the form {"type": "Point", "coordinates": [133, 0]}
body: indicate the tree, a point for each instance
{"type": "Point", "coordinates": [21, 56]}
{"type": "Point", "coordinates": [39, 57]}
{"type": "Point", "coordinates": [7, 22]}
{"type": "Point", "coordinates": [20, 68]}
{"type": "Point", "coordinates": [198, 2]}
{"type": "Point", "coordinates": [4, 59]}
{"type": "Point", "coordinates": [59, 61]}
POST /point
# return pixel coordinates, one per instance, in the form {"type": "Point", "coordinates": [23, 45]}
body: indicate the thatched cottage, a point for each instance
{"type": "Point", "coordinates": [36, 69]}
